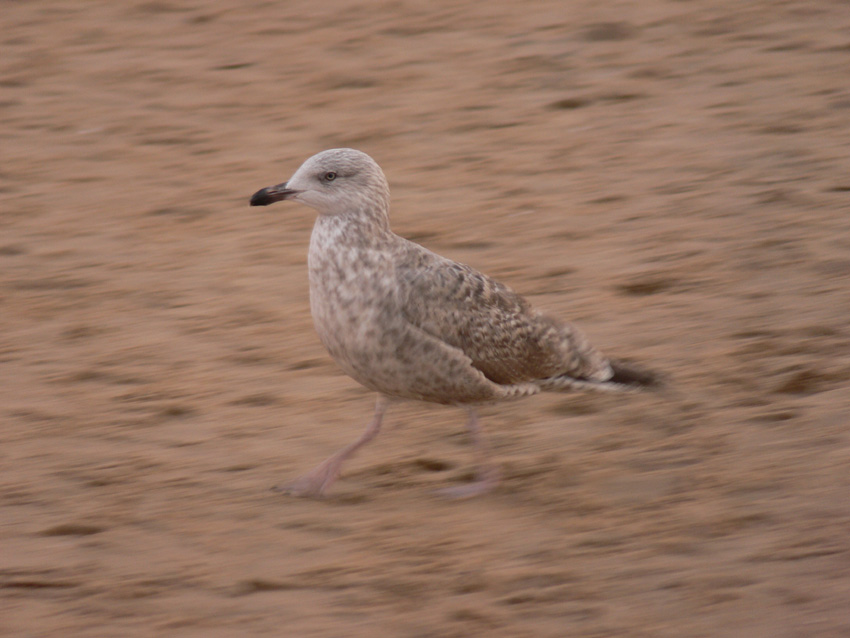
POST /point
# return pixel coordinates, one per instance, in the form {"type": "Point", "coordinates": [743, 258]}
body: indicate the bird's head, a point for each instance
{"type": "Point", "coordinates": [334, 182]}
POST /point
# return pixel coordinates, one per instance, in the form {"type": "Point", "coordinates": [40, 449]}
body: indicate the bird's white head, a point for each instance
{"type": "Point", "coordinates": [339, 181]}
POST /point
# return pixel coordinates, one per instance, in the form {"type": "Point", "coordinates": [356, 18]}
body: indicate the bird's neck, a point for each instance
{"type": "Point", "coordinates": [366, 227]}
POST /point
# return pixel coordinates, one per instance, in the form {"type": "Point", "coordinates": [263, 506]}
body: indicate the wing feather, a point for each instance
{"type": "Point", "coordinates": [506, 339]}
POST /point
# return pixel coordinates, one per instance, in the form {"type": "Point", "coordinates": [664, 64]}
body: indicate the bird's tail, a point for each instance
{"type": "Point", "coordinates": [626, 377]}
{"type": "Point", "coordinates": [634, 377]}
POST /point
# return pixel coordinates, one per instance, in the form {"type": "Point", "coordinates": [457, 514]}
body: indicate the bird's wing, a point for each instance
{"type": "Point", "coordinates": [501, 333]}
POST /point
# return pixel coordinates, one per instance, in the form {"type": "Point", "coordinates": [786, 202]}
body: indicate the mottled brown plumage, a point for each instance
{"type": "Point", "coordinates": [411, 324]}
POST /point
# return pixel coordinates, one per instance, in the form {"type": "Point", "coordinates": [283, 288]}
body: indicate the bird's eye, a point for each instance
{"type": "Point", "coordinates": [329, 176]}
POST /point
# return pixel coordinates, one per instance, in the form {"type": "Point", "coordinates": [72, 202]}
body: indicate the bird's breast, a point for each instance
{"type": "Point", "coordinates": [351, 296]}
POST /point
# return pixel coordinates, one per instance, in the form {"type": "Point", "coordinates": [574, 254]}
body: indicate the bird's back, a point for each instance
{"type": "Point", "coordinates": [504, 337]}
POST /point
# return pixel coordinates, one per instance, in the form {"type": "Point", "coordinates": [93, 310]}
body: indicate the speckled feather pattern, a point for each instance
{"type": "Point", "coordinates": [409, 323]}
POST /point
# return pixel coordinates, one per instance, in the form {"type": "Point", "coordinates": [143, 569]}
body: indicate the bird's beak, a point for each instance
{"type": "Point", "coordinates": [272, 194]}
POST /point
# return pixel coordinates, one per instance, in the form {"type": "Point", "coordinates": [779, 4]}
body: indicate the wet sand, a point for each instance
{"type": "Point", "coordinates": [671, 176]}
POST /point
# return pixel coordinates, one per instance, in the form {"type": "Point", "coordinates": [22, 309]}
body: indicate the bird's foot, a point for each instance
{"type": "Point", "coordinates": [314, 483]}
{"type": "Point", "coordinates": [486, 481]}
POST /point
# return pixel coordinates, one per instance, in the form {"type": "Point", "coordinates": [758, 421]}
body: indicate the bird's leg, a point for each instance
{"type": "Point", "coordinates": [319, 479]}
{"type": "Point", "coordinates": [487, 474]}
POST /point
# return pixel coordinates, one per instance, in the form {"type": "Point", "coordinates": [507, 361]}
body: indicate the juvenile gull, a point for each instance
{"type": "Point", "coordinates": [410, 324]}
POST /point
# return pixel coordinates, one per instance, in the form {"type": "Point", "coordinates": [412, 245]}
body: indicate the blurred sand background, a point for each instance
{"type": "Point", "coordinates": [672, 176]}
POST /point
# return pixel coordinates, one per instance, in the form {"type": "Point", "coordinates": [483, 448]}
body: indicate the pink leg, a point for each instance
{"type": "Point", "coordinates": [488, 475]}
{"type": "Point", "coordinates": [319, 479]}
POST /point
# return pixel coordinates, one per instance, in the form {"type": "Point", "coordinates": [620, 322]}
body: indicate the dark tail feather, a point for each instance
{"type": "Point", "coordinates": [630, 375]}
{"type": "Point", "coordinates": [627, 377]}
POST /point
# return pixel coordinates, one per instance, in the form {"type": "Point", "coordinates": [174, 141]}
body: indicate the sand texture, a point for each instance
{"type": "Point", "coordinates": [672, 177]}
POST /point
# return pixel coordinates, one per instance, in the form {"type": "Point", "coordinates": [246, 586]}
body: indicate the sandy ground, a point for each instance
{"type": "Point", "coordinates": [672, 176]}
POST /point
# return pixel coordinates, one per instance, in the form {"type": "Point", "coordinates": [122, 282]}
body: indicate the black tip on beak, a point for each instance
{"type": "Point", "coordinates": [271, 195]}
{"type": "Point", "coordinates": [261, 198]}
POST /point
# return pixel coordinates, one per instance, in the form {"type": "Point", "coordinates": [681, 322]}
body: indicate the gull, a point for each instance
{"type": "Point", "coordinates": [410, 324]}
